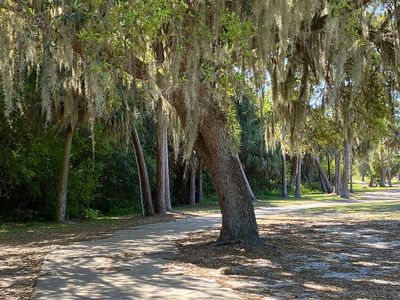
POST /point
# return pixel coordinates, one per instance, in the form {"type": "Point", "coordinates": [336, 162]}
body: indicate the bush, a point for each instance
{"type": "Point", "coordinates": [91, 214]}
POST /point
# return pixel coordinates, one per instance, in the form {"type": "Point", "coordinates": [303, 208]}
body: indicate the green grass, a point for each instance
{"type": "Point", "coordinates": [34, 230]}
{"type": "Point", "coordinates": [381, 206]}
{"type": "Point", "coordinates": [363, 187]}
{"type": "Point", "coordinates": [359, 186]}
{"type": "Point", "coordinates": [43, 226]}
{"type": "Point", "coordinates": [210, 203]}
{"type": "Point", "coordinates": [312, 197]}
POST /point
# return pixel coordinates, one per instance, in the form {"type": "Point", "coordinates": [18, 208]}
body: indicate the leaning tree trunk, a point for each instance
{"type": "Point", "coordinates": [143, 175]}
{"type": "Point", "coordinates": [297, 192]}
{"type": "Point", "coordinates": [337, 172]}
{"type": "Point", "coordinates": [161, 165]}
{"type": "Point", "coordinates": [324, 178]}
{"type": "Point", "coordinates": [168, 205]}
{"type": "Point", "coordinates": [63, 186]}
{"type": "Point", "coordinates": [216, 150]}
{"type": "Point", "coordinates": [346, 169]}
{"type": "Point", "coordinates": [199, 183]}
{"type": "Point", "coordinates": [323, 185]}
{"type": "Point", "coordinates": [250, 190]}
{"type": "Point", "coordinates": [328, 158]}
{"type": "Point", "coordinates": [192, 184]}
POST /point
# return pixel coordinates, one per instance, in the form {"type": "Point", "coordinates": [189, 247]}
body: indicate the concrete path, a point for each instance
{"type": "Point", "coordinates": [133, 263]}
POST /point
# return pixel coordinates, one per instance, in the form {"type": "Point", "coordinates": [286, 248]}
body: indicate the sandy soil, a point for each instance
{"type": "Point", "coordinates": [306, 255]}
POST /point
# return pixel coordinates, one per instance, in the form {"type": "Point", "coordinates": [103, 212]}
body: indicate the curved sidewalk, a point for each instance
{"type": "Point", "coordinates": [134, 263]}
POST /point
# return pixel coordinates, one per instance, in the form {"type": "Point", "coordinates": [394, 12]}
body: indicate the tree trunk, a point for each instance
{"type": "Point", "coordinates": [389, 166]}
{"type": "Point", "coordinates": [250, 190]}
{"type": "Point", "coordinates": [363, 177]}
{"type": "Point", "coordinates": [389, 176]}
{"type": "Point", "coordinates": [215, 148]}
{"type": "Point", "coordinates": [63, 186]}
{"type": "Point", "coordinates": [192, 184]}
{"type": "Point", "coordinates": [351, 174]}
{"type": "Point", "coordinates": [322, 173]}
{"type": "Point", "coordinates": [337, 172]}
{"type": "Point", "coordinates": [323, 185]}
{"type": "Point", "coordinates": [328, 157]}
{"type": "Point", "coordinates": [297, 192]}
{"type": "Point", "coordinates": [383, 170]}
{"type": "Point", "coordinates": [199, 183]}
{"type": "Point", "coordinates": [161, 166]}
{"type": "Point", "coordinates": [382, 181]}
{"type": "Point", "coordinates": [143, 175]}
{"type": "Point", "coordinates": [293, 172]}
{"type": "Point", "coordinates": [283, 175]}
{"type": "Point", "coordinates": [168, 205]}
{"type": "Point", "coordinates": [346, 169]}
{"type": "Point", "coordinates": [371, 182]}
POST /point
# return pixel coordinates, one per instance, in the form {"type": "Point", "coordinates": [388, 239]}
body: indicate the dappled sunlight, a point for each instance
{"type": "Point", "coordinates": [307, 255]}
{"type": "Point", "coordinates": [324, 288]}
{"type": "Point", "coordinates": [133, 263]}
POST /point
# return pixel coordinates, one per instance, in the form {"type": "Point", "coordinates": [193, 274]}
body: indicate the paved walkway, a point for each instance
{"type": "Point", "coordinates": [132, 264]}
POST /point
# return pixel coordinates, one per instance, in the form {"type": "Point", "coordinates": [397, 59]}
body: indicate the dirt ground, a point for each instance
{"type": "Point", "coordinates": [325, 252]}
{"type": "Point", "coordinates": [22, 250]}
{"type": "Point", "coordinates": [309, 255]}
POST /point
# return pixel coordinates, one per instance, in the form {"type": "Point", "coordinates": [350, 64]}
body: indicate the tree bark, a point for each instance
{"type": "Point", "coordinates": [161, 166]}
{"type": "Point", "coordinates": [337, 172]}
{"type": "Point", "coordinates": [321, 170]}
{"type": "Point", "coordinates": [346, 169]}
{"type": "Point", "coordinates": [297, 192]}
{"type": "Point", "coordinates": [199, 184]}
{"type": "Point", "coordinates": [389, 166]}
{"type": "Point", "coordinates": [168, 205]}
{"type": "Point", "coordinates": [389, 176]}
{"type": "Point", "coordinates": [192, 184]}
{"type": "Point", "coordinates": [63, 186]}
{"type": "Point", "coordinates": [283, 175]}
{"type": "Point", "coordinates": [351, 174]}
{"type": "Point", "coordinates": [215, 148]}
{"type": "Point", "coordinates": [323, 185]}
{"type": "Point", "coordinates": [328, 158]}
{"type": "Point", "coordinates": [293, 172]}
{"type": "Point", "coordinates": [143, 175]}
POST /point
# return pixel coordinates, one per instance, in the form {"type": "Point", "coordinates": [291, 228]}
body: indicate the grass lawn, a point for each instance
{"type": "Point", "coordinates": [210, 203]}
{"type": "Point", "coordinates": [391, 207]}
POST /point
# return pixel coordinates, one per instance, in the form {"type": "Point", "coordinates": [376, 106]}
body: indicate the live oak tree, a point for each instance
{"type": "Point", "coordinates": [191, 57]}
